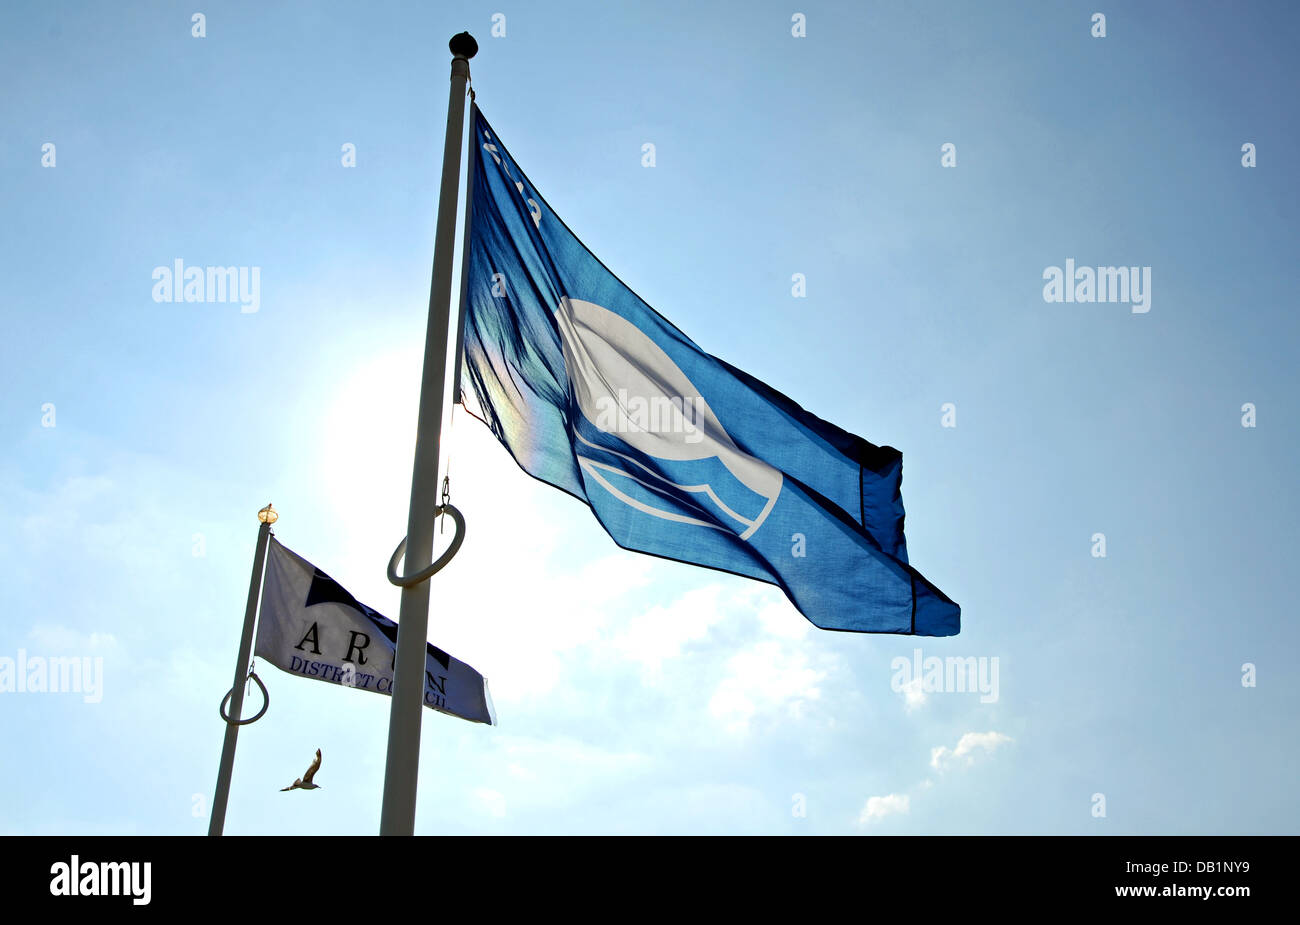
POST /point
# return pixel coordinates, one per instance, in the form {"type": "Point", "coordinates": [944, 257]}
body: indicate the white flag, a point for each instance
{"type": "Point", "coordinates": [312, 627]}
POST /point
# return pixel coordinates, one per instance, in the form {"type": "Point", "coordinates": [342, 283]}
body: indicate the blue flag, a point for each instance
{"type": "Point", "coordinates": [678, 454]}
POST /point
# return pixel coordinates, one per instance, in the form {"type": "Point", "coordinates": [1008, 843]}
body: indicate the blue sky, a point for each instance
{"type": "Point", "coordinates": [638, 695]}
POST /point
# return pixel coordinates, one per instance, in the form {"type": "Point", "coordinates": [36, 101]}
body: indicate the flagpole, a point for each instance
{"type": "Point", "coordinates": [403, 764]}
{"type": "Point", "coordinates": [217, 821]}
{"type": "Point", "coordinates": [467, 233]}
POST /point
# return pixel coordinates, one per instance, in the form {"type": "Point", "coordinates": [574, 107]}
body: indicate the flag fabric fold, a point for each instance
{"type": "Point", "coordinates": [312, 627]}
{"type": "Point", "coordinates": [677, 453]}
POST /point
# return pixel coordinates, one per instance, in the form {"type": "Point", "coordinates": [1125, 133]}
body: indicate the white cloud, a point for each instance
{"type": "Point", "coordinates": [914, 696]}
{"type": "Point", "coordinates": [73, 500]}
{"type": "Point", "coordinates": [878, 808]}
{"type": "Point", "coordinates": [519, 772]}
{"type": "Point", "coordinates": [51, 638]}
{"type": "Point", "coordinates": [663, 631]}
{"type": "Point", "coordinates": [762, 679]}
{"type": "Point", "coordinates": [544, 774]}
{"type": "Point", "coordinates": [968, 747]}
{"type": "Point", "coordinates": [492, 802]}
{"type": "Point", "coordinates": [779, 618]}
{"type": "Point", "coordinates": [561, 756]}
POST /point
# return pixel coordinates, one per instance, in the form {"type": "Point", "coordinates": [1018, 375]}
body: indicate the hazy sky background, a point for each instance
{"type": "Point", "coordinates": [634, 694]}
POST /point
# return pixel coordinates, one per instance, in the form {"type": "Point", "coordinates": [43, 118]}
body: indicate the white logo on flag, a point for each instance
{"type": "Point", "coordinates": [613, 364]}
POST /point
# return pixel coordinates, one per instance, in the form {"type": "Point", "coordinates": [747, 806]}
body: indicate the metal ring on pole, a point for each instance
{"type": "Point", "coordinates": [266, 702]}
{"type": "Point", "coordinates": [424, 574]}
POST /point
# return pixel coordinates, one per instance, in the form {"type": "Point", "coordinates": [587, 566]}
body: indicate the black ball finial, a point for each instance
{"type": "Point", "coordinates": [463, 45]}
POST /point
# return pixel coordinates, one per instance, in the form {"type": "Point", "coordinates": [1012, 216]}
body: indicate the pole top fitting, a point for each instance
{"type": "Point", "coordinates": [268, 515]}
{"type": "Point", "coordinates": [463, 46]}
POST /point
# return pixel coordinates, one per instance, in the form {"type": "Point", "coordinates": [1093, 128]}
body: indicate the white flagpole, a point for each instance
{"type": "Point", "coordinates": [467, 233]}
{"type": "Point", "coordinates": [402, 769]}
{"type": "Point", "coordinates": [217, 821]}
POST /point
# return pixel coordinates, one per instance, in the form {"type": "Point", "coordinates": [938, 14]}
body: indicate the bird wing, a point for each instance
{"type": "Point", "coordinates": [311, 772]}
{"type": "Point", "coordinates": [291, 786]}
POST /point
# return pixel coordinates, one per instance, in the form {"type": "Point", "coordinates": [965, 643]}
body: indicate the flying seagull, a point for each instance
{"type": "Point", "coordinates": [305, 782]}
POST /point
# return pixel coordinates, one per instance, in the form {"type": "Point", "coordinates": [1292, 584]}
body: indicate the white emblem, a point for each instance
{"type": "Point", "coordinates": [626, 385]}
